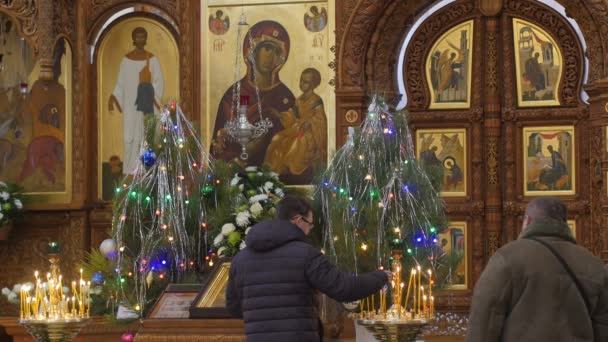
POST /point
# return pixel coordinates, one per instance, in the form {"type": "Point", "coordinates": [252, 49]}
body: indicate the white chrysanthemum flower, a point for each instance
{"type": "Point", "coordinates": [12, 297]}
{"type": "Point", "coordinates": [17, 288]}
{"type": "Point", "coordinates": [247, 230]}
{"type": "Point", "coordinates": [243, 245]}
{"type": "Point", "coordinates": [5, 195]}
{"type": "Point", "coordinates": [1, 215]}
{"type": "Point", "coordinates": [268, 186]}
{"type": "Point", "coordinates": [220, 252]}
{"type": "Point", "coordinates": [242, 219]}
{"type": "Point", "coordinates": [228, 228]}
{"type": "Point", "coordinates": [256, 209]}
{"type": "Point", "coordinates": [241, 187]}
{"type": "Point", "coordinates": [258, 198]}
{"type": "Point", "coordinates": [279, 192]}
{"type": "Point", "coordinates": [260, 174]}
{"type": "Point", "coordinates": [251, 168]}
{"type": "Point", "coordinates": [235, 180]}
{"type": "Point", "coordinates": [6, 291]}
{"type": "Point", "coordinates": [218, 239]}
{"type": "Point", "coordinates": [274, 175]}
{"type": "Point", "coordinates": [2, 184]}
{"type": "Point", "coordinates": [18, 204]}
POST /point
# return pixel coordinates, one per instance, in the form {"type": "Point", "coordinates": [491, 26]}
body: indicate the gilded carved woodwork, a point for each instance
{"type": "Point", "coordinates": [492, 160]}
{"type": "Point", "coordinates": [415, 59]}
{"type": "Point", "coordinates": [63, 19]}
{"type": "Point", "coordinates": [26, 15]}
{"type": "Point", "coordinates": [565, 37]}
{"type": "Point", "coordinates": [352, 50]}
{"type": "Point", "coordinates": [493, 243]}
{"type": "Point", "coordinates": [491, 64]}
{"type": "Point", "coordinates": [499, 157]}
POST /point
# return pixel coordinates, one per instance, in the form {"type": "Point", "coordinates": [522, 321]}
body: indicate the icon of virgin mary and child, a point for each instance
{"type": "Point", "coordinates": [297, 143]}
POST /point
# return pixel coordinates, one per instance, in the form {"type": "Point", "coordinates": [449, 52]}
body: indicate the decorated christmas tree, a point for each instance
{"type": "Point", "coordinates": [377, 198]}
{"type": "Point", "coordinates": [159, 224]}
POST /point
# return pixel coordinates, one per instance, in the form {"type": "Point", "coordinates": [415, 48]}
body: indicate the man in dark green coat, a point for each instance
{"type": "Point", "coordinates": [525, 293]}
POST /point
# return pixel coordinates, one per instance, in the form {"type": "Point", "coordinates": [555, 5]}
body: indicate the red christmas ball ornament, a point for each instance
{"type": "Point", "coordinates": [127, 337]}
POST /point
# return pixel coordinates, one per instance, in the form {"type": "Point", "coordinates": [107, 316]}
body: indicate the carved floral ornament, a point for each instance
{"type": "Point", "coordinates": [25, 13]}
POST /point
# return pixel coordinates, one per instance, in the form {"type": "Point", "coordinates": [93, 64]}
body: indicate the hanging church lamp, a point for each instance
{"type": "Point", "coordinates": [239, 127]}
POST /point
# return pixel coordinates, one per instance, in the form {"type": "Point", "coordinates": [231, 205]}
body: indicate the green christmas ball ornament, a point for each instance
{"type": "Point", "coordinates": [234, 238]}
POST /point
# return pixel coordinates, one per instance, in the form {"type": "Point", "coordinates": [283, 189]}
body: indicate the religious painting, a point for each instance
{"type": "Point", "coordinates": [138, 71]}
{"type": "Point", "coordinates": [572, 226]}
{"type": "Point", "coordinates": [175, 301]}
{"type": "Point", "coordinates": [538, 64]}
{"type": "Point", "coordinates": [549, 160]}
{"type": "Point", "coordinates": [446, 148]}
{"type": "Point", "coordinates": [448, 68]}
{"type": "Point", "coordinates": [219, 24]}
{"type": "Point", "coordinates": [35, 119]}
{"type": "Point", "coordinates": [316, 20]}
{"type": "Point", "coordinates": [211, 300]}
{"type": "Point", "coordinates": [453, 243]}
{"type": "Point", "coordinates": [289, 69]}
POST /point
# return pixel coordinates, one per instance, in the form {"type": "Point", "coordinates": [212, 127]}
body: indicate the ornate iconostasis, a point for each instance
{"type": "Point", "coordinates": [507, 98]}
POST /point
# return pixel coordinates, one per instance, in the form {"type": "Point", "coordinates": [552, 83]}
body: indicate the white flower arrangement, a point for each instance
{"type": "Point", "coordinates": [242, 218]}
{"type": "Point", "coordinates": [228, 228]}
{"type": "Point", "coordinates": [10, 202]}
{"type": "Point", "coordinates": [255, 209]}
{"type": "Point", "coordinates": [256, 192]}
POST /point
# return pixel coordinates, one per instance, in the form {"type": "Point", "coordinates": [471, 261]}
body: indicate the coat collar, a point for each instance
{"type": "Point", "coordinates": [548, 227]}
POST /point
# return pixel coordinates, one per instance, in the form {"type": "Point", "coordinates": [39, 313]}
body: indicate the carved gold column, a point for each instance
{"type": "Point", "coordinates": [47, 39]}
{"type": "Point", "coordinates": [598, 155]}
{"type": "Point", "coordinates": [492, 125]}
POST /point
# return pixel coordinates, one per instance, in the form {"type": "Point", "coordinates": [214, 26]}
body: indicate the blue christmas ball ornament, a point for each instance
{"type": "Point", "coordinates": [148, 158]}
{"type": "Point", "coordinates": [97, 278]}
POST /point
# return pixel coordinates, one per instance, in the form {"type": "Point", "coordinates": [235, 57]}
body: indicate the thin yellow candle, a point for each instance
{"type": "Point", "coordinates": [430, 283]}
{"type": "Point", "coordinates": [373, 304]}
{"type": "Point", "coordinates": [424, 304]}
{"type": "Point", "coordinates": [418, 287]}
{"type": "Point", "coordinates": [432, 305]}
{"type": "Point", "coordinates": [89, 293]}
{"type": "Point", "coordinates": [409, 285]}
{"type": "Point", "coordinates": [27, 304]}
{"type": "Point", "coordinates": [21, 303]}
{"type": "Point", "coordinates": [361, 305]}
{"type": "Point", "coordinates": [421, 304]}
{"type": "Point", "coordinates": [401, 297]}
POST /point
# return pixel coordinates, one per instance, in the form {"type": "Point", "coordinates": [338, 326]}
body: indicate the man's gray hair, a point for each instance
{"type": "Point", "coordinates": [547, 207]}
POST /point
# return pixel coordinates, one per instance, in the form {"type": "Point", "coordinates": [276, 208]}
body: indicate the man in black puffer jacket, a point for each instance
{"type": "Point", "coordinates": [273, 280]}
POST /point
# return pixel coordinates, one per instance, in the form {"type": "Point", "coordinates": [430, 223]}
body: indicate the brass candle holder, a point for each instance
{"type": "Point", "coordinates": [398, 324]}
{"type": "Point", "coordinates": [47, 314]}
